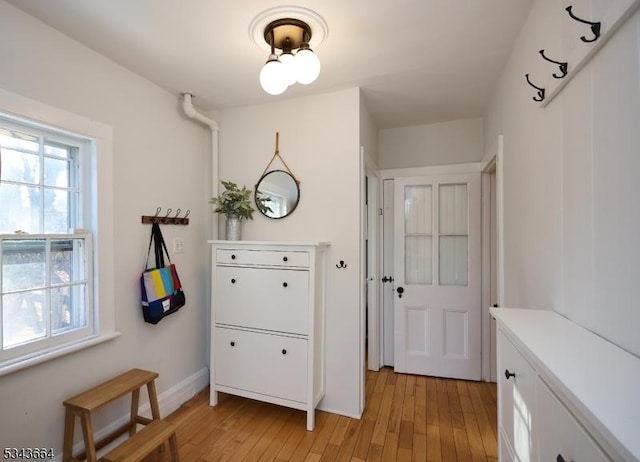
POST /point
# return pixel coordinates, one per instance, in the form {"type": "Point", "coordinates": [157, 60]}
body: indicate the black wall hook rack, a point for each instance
{"type": "Point", "coordinates": [540, 96]}
{"type": "Point", "coordinates": [341, 265]}
{"type": "Point", "coordinates": [167, 219]}
{"type": "Point", "coordinates": [595, 26]}
{"type": "Point", "coordinates": [563, 66]}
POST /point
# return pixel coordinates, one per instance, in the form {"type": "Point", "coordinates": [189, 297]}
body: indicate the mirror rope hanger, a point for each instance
{"type": "Point", "coordinates": [277, 154]}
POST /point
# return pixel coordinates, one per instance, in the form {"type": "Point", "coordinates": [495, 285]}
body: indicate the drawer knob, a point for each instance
{"type": "Point", "coordinates": [233, 343]}
{"type": "Point", "coordinates": [284, 284]}
{"type": "Point", "coordinates": [233, 257]}
{"type": "Point", "coordinates": [285, 259]}
{"type": "Point", "coordinates": [508, 374]}
{"type": "Point", "coordinates": [284, 352]}
{"type": "Point", "coordinates": [233, 281]}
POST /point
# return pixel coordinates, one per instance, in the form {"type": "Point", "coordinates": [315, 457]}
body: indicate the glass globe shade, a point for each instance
{"type": "Point", "coordinates": [288, 61]}
{"type": "Point", "coordinates": [307, 66]}
{"type": "Point", "coordinates": [272, 77]}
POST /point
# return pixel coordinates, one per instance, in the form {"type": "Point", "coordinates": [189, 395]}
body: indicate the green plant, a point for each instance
{"type": "Point", "coordinates": [233, 201]}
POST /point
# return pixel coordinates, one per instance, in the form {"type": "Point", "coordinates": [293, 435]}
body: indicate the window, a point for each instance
{"type": "Point", "coordinates": [46, 252]}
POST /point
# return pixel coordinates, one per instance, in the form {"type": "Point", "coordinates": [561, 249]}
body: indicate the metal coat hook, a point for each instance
{"type": "Point", "coordinates": [540, 90]}
{"type": "Point", "coordinates": [167, 219]}
{"type": "Point", "coordinates": [563, 66]}
{"type": "Point", "coordinates": [595, 26]}
{"type": "Point", "coordinates": [341, 265]}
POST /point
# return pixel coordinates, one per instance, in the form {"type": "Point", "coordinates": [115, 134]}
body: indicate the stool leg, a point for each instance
{"type": "Point", "coordinates": [173, 446]}
{"type": "Point", "coordinates": [135, 399]}
{"type": "Point", "coordinates": [153, 400]}
{"type": "Point", "coordinates": [87, 431]}
{"type": "Point", "coordinates": [67, 447]}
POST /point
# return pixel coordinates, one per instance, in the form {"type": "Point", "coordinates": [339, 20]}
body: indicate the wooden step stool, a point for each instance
{"type": "Point", "coordinates": [85, 403]}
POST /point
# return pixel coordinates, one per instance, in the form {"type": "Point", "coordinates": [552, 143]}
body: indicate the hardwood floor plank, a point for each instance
{"type": "Point", "coordinates": [434, 450]}
{"type": "Point", "coordinates": [363, 441]}
{"type": "Point", "coordinates": [489, 440]}
{"type": "Point", "coordinates": [447, 443]}
{"type": "Point", "coordinates": [471, 424]}
{"type": "Point", "coordinates": [382, 420]}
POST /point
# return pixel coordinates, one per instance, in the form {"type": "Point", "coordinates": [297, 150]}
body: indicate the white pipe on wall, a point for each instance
{"type": "Point", "coordinates": [190, 111]}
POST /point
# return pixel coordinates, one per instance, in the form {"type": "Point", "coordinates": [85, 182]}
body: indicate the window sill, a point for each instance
{"type": "Point", "coordinates": [63, 350]}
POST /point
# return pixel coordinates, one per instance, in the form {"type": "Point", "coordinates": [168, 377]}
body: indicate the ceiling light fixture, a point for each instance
{"type": "Point", "coordinates": [289, 36]}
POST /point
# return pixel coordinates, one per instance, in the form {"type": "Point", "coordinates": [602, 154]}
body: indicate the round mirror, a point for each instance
{"type": "Point", "coordinates": [277, 194]}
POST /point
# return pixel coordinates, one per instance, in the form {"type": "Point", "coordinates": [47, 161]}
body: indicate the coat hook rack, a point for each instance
{"type": "Point", "coordinates": [563, 66]}
{"type": "Point", "coordinates": [540, 96]}
{"type": "Point", "coordinates": [341, 265]}
{"type": "Point", "coordinates": [595, 26]}
{"type": "Point", "coordinates": [167, 219]}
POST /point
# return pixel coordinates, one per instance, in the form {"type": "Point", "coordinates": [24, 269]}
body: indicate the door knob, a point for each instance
{"type": "Point", "coordinates": [508, 374]}
{"type": "Point", "coordinates": [400, 291]}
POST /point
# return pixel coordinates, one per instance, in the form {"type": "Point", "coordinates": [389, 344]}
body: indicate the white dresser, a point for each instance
{"type": "Point", "coordinates": [564, 393]}
{"type": "Point", "coordinates": [267, 322]}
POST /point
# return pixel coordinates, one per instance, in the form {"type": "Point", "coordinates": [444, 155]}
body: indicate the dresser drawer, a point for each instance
{"type": "Point", "coordinates": [262, 298]}
{"type": "Point", "coordinates": [284, 258]}
{"type": "Point", "coordinates": [560, 434]}
{"type": "Point", "coordinates": [262, 363]}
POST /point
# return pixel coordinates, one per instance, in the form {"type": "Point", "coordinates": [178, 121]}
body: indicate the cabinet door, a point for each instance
{"type": "Point", "coordinates": [516, 400]}
{"type": "Point", "coordinates": [268, 364]}
{"type": "Point", "coordinates": [560, 433]}
{"type": "Point", "coordinates": [260, 298]}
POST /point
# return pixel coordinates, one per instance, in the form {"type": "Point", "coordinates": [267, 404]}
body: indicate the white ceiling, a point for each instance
{"type": "Point", "coordinates": [417, 61]}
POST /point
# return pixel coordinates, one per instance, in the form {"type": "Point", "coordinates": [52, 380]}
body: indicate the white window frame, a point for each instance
{"type": "Point", "coordinates": [98, 223]}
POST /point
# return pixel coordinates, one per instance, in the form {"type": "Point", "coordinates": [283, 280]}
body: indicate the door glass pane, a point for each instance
{"type": "Point", "coordinates": [453, 242]}
{"type": "Point", "coordinates": [418, 260]}
{"type": "Point", "coordinates": [453, 209]}
{"type": "Point", "coordinates": [418, 235]}
{"type": "Point", "coordinates": [454, 260]}
{"type": "Point", "coordinates": [417, 209]}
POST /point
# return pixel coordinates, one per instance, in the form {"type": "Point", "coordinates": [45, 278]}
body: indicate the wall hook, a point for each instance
{"type": "Point", "coordinates": [595, 26]}
{"type": "Point", "coordinates": [341, 265]}
{"type": "Point", "coordinates": [563, 66]}
{"type": "Point", "coordinates": [540, 90]}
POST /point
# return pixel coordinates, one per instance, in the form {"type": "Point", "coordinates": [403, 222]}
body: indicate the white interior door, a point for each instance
{"type": "Point", "coordinates": [437, 304]}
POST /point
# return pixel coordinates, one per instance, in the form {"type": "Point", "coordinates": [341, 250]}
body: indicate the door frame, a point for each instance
{"type": "Point", "coordinates": [392, 174]}
{"type": "Point", "coordinates": [492, 164]}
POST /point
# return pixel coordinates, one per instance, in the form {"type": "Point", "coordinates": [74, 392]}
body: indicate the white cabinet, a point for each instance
{"type": "Point", "coordinates": [564, 393]}
{"type": "Point", "coordinates": [517, 409]}
{"type": "Point", "coordinates": [267, 322]}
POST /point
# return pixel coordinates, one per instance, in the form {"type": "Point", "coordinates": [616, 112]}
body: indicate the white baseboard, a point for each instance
{"type": "Point", "coordinates": [168, 401]}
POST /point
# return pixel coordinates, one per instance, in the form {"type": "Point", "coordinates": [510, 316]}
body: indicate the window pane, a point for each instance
{"type": "Point", "coordinates": [51, 149]}
{"type": "Point", "coordinates": [418, 260]}
{"type": "Point", "coordinates": [23, 264]}
{"type": "Point", "coordinates": [20, 209]}
{"type": "Point", "coordinates": [453, 209]}
{"type": "Point", "coordinates": [56, 172]}
{"type": "Point", "coordinates": [56, 211]}
{"type": "Point", "coordinates": [20, 167]}
{"type": "Point", "coordinates": [23, 317]}
{"type": "Point", "coordinates": [68, 263]}
{"type": "Point", "coordinates": [68, 310]}
{"type": "Point", "coordinates": [417, 209]}
{"type": "Point", "coordinates": [454, 259]}
{"type": "Point", "coordinates": [10, 138]}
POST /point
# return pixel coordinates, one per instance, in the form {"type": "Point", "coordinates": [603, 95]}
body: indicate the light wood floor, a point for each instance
{"type": "Point", "coordinates": [407, 418]}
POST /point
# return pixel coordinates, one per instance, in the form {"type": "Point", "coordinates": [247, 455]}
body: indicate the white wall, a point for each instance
{"type": "Point", "coordinates": [319, 141]}
{"type": "Point", "coordinates": [571, 178]}
{"type": "Point", "coordinates": [454, 142]}
{"type": "Point", "coordinates": [158, 161]}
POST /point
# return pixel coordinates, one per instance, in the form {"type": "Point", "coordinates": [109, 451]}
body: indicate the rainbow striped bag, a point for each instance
{"type": "Point", "coordinates": [160, 286]}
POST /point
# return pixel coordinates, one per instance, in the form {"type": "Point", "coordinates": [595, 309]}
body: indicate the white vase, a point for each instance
{"type": "Point", "coordinates": [233, 228]}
